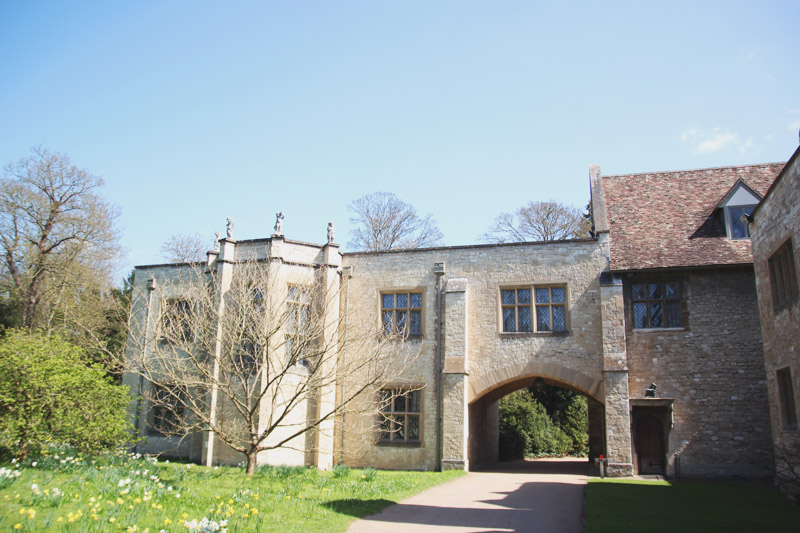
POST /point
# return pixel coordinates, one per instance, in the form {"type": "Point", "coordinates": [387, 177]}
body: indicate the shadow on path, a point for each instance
{"type": "Point", "coordinates": [575, 466]}
{"type": "Point", "coordinates": [539, 496]}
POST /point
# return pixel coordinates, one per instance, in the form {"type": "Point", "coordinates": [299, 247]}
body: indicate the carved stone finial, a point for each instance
{"type": "Point", "coordinates": [331, 233]}
{"type": "Point", "coordinates": [230, 228]}
{"type": "Point", "coordinates": [216, 242]}
{"type": "Point", "coordinates": [279, 223]}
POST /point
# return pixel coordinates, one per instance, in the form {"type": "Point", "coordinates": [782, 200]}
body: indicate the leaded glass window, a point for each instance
{"type": "Point", "coordinates": [176, 322]}
{"type": "Point", "coordinates": [516, 305]}
{"type": "Point", "coordinates": [401, 313]}
{"type": "Point", "coordinates": [298, 322]}
{"type": "Point", "coordinates": [167, 409]}
{"type": "Point", "coordinates": [783, 276]}
{"type": "Point", "coordinates": [400, 415]}
{"type": "Point", "coordinates": [656, 305]}
{"type": "Point", "coordinates": [551, 308]}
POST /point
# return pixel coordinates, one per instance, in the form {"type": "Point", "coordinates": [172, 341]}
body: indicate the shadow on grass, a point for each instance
{"type": "Point", "coordinates": [655, 507]}
{"type": "Point", "coordinates": [356, 507]}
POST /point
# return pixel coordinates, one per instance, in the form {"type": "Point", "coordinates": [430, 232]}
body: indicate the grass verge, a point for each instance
{"type": "Point", "coordinates": [73, 492]}
{"type": "Point", "coordinates": [659, 506]}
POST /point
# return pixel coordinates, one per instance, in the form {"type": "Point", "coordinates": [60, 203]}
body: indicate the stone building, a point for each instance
{"type": "Point", "coordinates": [682, 254]}
{"type": "Point", "coordinates": [775, 230]}
{"type": "Point", "coordinates": [663, 293]}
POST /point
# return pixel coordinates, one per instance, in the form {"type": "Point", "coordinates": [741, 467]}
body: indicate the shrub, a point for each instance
{"type": "Point", "coordinates": [50, 392]}
{"type": "Point", "coordinates": [527, 430]}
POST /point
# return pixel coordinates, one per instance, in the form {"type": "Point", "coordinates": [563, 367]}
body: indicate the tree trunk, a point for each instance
{"type": "Point", "coordinates": [251, 462]}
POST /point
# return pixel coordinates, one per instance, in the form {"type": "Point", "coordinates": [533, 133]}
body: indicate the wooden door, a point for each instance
{"type": "Point", "coordinates": [650, 444]}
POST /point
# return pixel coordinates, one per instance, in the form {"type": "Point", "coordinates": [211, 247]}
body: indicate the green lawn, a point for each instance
{"type": "Point", "coordinates": [660, 506]}
{"type": "Point", "coordinates": [67, 492]}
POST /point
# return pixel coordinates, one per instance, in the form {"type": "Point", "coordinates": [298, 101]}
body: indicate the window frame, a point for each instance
{"type": "Point", "coordinates": [405, 333]}
{"type": "Point", "coordinates": [783, 276]}
{"type": "Point", "coordinates": [533, 304]}
{"type": "Point", "coordinates": [786, 399]}
{"type": "Point", "coordinates": [385, 416]}
{"type": "Point", "coordinates": [663, 300]}
{"type": "Point", "coordinates": [730, 221]}
{"type": "Point", "coordinates": [157, 411]}
{"type": "Point", "coordinates": [166, 318]}
{"type": "Point", "coordinates": [299, 311]}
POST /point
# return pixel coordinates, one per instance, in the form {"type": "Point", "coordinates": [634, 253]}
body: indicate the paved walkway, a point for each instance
{"type": "Point", "coordinates": [541, 496]}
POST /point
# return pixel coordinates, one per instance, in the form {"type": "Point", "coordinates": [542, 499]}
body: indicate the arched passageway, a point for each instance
{"type": "Point", "coordinates": [484, 414]}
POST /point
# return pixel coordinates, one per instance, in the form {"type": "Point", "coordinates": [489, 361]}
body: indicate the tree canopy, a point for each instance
{"type": "Point", "coordinates": [57, 239]}
{"type": "Point", "coordinates": [539, 221]}
{"type": "Point", "coordinates": [184, 248]}
{"type": "Point", "coordinates": [384, 222]}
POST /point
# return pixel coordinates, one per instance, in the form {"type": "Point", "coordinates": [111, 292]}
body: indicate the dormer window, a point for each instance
{"type": "Point", "coordinates": [737, 204]}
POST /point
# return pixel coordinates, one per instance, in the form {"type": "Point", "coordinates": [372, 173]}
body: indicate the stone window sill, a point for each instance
{"type": "Point", "coordinates": [399, 443]}
{"type": "Point", "coordinates": [515, 335]}
{"type": "Point", "coordinates": [657, 330]}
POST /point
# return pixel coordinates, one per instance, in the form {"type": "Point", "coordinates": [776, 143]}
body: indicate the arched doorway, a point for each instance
{"type": "Point", "coordinates": [484, 417]}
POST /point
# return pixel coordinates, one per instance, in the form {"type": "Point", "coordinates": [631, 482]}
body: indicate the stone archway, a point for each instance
{"type": "Point", "coordinates": [485, 391]}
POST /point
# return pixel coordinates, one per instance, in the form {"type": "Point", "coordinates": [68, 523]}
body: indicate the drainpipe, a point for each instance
{"type": "Point", "coordinates": [438, 271]}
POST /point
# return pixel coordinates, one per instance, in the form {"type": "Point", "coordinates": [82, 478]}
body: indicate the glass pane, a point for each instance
{"type": "Point", "coordinates": [387, 321]}
{"type": "Point", "coordinates": [401, 320]}
{"type": "Point", "coordinates": [673, 314]}
{"type": "Point", "coordinates": [507, 297]}
{"type": "Point", "coordinates": [402, 301]}
{"type": "Point", "coordinates": [292, 293]}
{"type": "Point", "coordinates": [656, 316]}
{"type": "Point", "coordinates": [415, 327]}
{"type": "Point", "coordinates": [416, 300]}
{"type": "Point", "coordinates": [639, 292]}
{"type": "Point", "coordinates": [524, 322]}
{"type": "Point", "coordinates": [413, 427]}
{"type": "Point", "coordinates": [542, 296]}
{"type": "Point", "coordinates": [655, 291]}
{"type": "Point", "coordinates": [509, 322]}
{"type": "Point", "coordinates": [543, 318]}
{"type": "Point", "coordinates": [385, 432]}
{"type": "Point", "coordinates": [413, 401]}
{"type": "Point", "coordinates": [559, 322]}
{"type": "Point", "coordinates": [400, 433]}
{"type": "Point", "coordinates": [640, 315]}
{"type": "Point", "coordinates": [385, 398]}
{"type": "Point", "coordinates": [304, 316]}
{"type": "Point", "coordinates": [739, 229]}
{"type": "Point", "coordinates": [388, 301]}
{"type": "Point", "coordinates": [673, 290]}
{"type": "Point", "coordinates": [559, 295]}
{"type": "Point", "coordinates": [399, 402]}
{"type": "Point", "coordinates": [524, 296]}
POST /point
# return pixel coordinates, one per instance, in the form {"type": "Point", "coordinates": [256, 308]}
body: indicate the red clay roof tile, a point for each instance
{"type": "Point", "coordinates": [661, 219]}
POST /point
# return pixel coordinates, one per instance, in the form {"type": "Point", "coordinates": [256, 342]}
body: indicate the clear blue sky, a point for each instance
{"type": "Point", "coordinates": [197, 111]}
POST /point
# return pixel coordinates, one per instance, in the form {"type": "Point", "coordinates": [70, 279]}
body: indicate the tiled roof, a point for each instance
{"type": "Point", "coordinates": [661, 219]}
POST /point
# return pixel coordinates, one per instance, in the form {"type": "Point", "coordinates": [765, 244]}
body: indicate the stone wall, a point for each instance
{"type": "Point", "coordinates": [479, 359]}
{"type": "Point", "coordinates": [776, 220]}
{"type": "Point", "coordinates": [712, 368]}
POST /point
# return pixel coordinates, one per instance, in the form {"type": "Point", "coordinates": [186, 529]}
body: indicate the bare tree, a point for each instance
{"type": "Point", "coordinates": [184, 248]}
{"type": "Point", "coordinates": [57, 240]}
{"type": "Point", "coordinates": [254, 361]}
{"type": "Point", "coordinates": [385, 222]}
{"type": "Point", "coordinates": [539, 221]}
